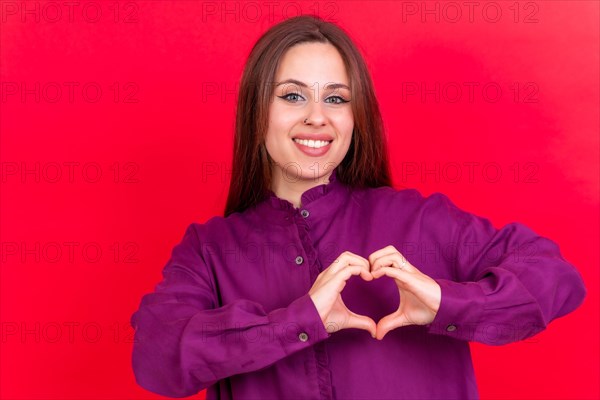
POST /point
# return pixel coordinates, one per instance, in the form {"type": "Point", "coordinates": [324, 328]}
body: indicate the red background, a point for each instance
{"type": "Point", "coordinates": [116, 133]}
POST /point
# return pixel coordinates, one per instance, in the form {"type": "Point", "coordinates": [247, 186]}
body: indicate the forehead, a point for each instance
{"type": "Point", "coordinates": [312, 62]}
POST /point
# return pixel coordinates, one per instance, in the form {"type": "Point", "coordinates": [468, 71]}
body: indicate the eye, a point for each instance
{"type": "Point", "coordinates": [291, 97]}
{"type": "Point", "coordinates": [336, 100]}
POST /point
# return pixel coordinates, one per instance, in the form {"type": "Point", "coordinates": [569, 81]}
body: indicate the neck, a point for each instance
{"type": "Point", "coordinates": [291, 188]}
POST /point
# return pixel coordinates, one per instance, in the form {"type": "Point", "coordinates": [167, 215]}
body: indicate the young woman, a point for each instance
{"type": "Point", "coordinates": [321, 281]}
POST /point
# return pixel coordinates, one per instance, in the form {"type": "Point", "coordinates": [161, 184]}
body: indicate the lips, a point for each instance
{"type": "Point", "coordinates": [312, 143]}
{"type": "Point", "coordinates": [314, 136]}
{"type": "Point", "coordinates": [312, 148]}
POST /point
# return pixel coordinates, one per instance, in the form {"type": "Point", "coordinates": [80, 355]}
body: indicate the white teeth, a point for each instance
{"type": "Point", "coordinates": [312, 143]}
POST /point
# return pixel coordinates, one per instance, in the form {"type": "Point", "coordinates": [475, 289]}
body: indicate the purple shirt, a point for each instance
{"type": "Point", "coordinates": [233, 314]}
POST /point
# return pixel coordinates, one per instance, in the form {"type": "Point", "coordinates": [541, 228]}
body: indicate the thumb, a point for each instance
{"type": "Point", "coordinates": [388, 323]}
{"type": "Point", "coordinates": [362, 322]}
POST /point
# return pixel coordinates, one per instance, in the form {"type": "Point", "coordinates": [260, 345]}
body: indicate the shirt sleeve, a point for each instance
{"type": "Point", "coordinates": [184, 343]}
{"type": "Point", "coordinates": [510, 282]}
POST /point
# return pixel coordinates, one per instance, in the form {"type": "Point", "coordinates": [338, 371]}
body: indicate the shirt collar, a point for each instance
{"type": "Point", "coordinates": [322, 199]}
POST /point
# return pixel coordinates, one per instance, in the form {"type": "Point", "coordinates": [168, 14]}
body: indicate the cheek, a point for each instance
{"type": "Point", "coordinates": [280, 124]}
{"type": "Point", "coordinates": [345, 124]}
{"type": "Point", "coordinates": [281, 120]}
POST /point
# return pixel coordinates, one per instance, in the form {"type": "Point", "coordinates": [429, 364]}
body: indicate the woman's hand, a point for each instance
{"type": "Point", "coordinates": [420, 295]}
{"type": "Point", "coordinates": [326, 290]}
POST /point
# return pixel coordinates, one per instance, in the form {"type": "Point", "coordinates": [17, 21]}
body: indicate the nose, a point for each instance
{"type": "Point", "coordinates": [316, 115]}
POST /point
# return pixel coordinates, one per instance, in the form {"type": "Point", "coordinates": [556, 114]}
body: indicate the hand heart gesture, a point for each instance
{"type": "Point", "coordinates": [420, 295]}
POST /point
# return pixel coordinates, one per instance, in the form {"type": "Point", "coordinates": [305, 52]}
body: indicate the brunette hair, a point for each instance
{"type": "Point", "coordinates": [366, 163]}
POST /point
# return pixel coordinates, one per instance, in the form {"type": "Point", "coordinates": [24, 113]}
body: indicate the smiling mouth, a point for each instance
{"type": "Point", "coordinates": [315, 144]}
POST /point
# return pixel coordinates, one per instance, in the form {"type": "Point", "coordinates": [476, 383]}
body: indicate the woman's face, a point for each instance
{"type": "Point", "coordinates": [311, 84]}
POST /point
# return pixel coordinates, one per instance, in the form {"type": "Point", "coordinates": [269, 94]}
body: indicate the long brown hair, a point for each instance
{"type": "Point", "coordinates": [366, 163]}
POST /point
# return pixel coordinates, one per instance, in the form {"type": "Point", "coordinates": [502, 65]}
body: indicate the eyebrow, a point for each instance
{"type": "Point", "coordinates": [302, 84]}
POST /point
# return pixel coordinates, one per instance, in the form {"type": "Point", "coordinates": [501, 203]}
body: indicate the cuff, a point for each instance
{"type": "Point", "coordinates": [299, 325]}
{"type": "Point", "coordinates": [461, 307]}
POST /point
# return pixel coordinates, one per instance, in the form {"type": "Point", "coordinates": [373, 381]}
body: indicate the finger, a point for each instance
{"type": "Point", "coordinates": [400, 275]}
{"type": "Point", "coordinates": [364, 260]}
{"type": "Point", "coordinates": [362, 322]}
{"type": "Point", "coordinates": [338, 280]}
{"type": "Point", "coordinates": [361, 270]}
{"type": "Point", "coordinates": [421, 286]}
{"type": "Point", "coordinates": [359, 321]}
{"type": "Point", "coordinates": [350, 270]}
{"type": "Point", "coordinates": [346, 259]}
{"type": "Point", "coordinates": [395, 260]}
{"type": "Point", "coordinates": [333, 285]}
{"type": "Point", "coordinates": [389, 323]}
{"type": "Point", "coordinates": [381, 252]}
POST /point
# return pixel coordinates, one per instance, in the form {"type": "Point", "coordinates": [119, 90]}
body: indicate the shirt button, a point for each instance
{"type": "Point", "coordinates": [303, 337]}
{"type": "Point", "coordinates": [299, 260]}
{"type": "Point", "coordinates": [305, 213]}
{"type": "Point", "coordinates": [451, 328]}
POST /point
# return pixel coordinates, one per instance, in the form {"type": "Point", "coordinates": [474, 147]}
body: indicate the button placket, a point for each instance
{"type": "Point", "coordinates": [306, 255]}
